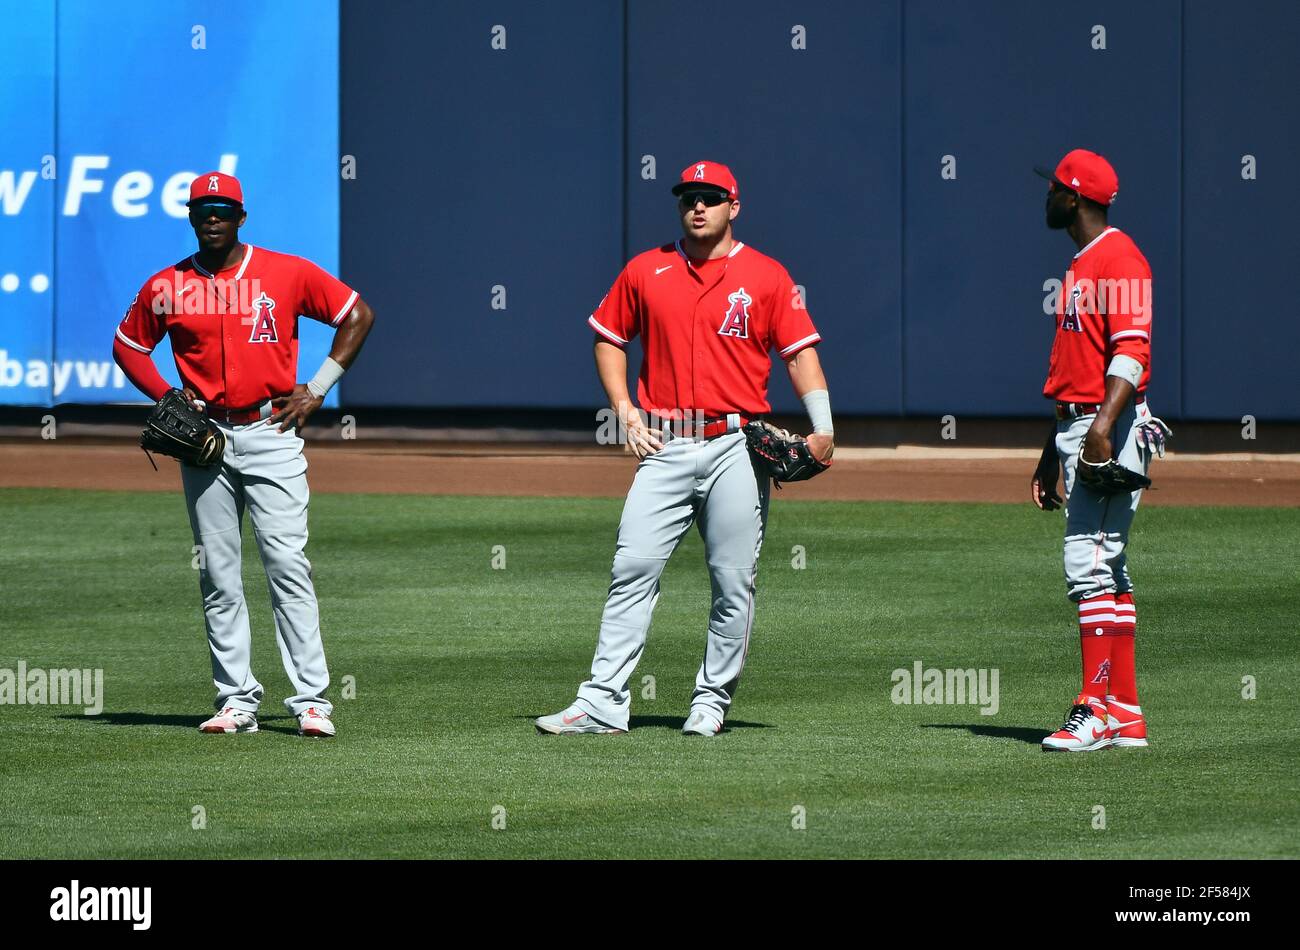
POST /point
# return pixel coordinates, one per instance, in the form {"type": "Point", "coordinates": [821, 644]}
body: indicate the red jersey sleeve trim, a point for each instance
{"type": "Point", "coordinates": [798, 345]}
{"type": "Point", "coordinates": [606, 333]}
{"type": "Point", "coordinates": [1127, 333]}
{"type": "Point", "coordinates": [344, 310]}
{"type": "Point", "coordinates": [130, 342]}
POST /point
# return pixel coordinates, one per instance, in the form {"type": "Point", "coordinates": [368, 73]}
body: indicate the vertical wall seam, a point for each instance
{"type": "Point", "coordinates": [625, 168]}
{"type": "Point", "coordinates": [902, 213]}
{"type": "Point", "coordinates": [1182, 215]}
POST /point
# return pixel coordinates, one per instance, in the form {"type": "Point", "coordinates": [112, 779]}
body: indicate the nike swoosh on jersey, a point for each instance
{"type": "Point", "coordinates": [660, 270]}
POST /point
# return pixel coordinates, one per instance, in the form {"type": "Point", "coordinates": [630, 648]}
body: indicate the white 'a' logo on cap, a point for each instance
{"type": "Point", "coordinates": [212, 183]}
{"type": "Point", "coordinates": [699, 172]}
{"type": "Point", "coordinates": [1074, 182]}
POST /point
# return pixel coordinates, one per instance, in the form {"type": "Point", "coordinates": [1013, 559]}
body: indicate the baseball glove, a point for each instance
{"type": "Point", "coordinates": [1111, 478]}
{"type": "Point", "coordinates": [785, 457]}
{"type": "Point", "coordinates": [177, 429]}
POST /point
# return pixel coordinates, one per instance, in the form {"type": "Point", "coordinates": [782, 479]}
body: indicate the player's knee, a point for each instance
{"type": "Point", "coordinates": [629, 572]}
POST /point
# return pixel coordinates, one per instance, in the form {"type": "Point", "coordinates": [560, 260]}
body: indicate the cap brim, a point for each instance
{"type": "Point", "coordinates": [696, 185]}
{"type": "Point", "coordinates": [212, 200]}
{"type": "Point", "coordinates": [1049, 174]}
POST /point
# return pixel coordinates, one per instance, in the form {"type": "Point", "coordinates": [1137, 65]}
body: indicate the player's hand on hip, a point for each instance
{"type": "Point", "coordinates": [641, 439]}
{"type": "Point", "coordinates": [294, 409]}
{"type": "Point", "coordinates": [1096, 445]}
{"type": "Point", "coordinates": [822, 445]}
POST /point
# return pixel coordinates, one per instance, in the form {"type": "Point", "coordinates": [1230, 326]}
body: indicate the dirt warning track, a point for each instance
{"type": "Point", "coordinates": [897, 474]}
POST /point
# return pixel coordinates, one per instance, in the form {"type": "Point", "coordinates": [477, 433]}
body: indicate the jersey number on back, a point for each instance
{"type": "Point", "coordinates": [736, 322]}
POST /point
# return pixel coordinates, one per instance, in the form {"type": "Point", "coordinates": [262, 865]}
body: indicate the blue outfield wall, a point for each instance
{"type": "Point", "coordinates": [552, 158]}
{"type": "Point", "coordinates": [500, 161]}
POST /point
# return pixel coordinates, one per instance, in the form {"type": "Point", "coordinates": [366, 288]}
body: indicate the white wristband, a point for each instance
{"type": "Point", "coordinates": [1126, 368]}
{"type": "Point", "coordinates": [325, 378]}
{"type": "Point", "coordinates": [818, 404]}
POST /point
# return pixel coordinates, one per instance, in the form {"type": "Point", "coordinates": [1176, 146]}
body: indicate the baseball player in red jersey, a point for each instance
{"type": "Point", "coordinates": [708, 310]}
{"type": "Point", "coordinates": [231, 311]}
{"type": "Point", "coordinates": [1098, 375]}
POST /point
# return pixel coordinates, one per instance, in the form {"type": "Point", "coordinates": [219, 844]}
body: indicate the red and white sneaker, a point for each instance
{"type": "Point", "coordinates": [315, 723]}
{"type": "Point", "coordinates": [1128, 727]}
{"type": "Point", "coordinates": [1085, 729]}
{"type": "Point", "coordinates": [230, 719]}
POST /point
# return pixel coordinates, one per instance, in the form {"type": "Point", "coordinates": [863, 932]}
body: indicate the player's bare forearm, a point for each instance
{"type": "Point", "coordinates": [296, 408]}
{"type": "Point", "coordinates": [806, 376]}
{"type": "Point", "coordinates": [805, 369]}
{"type": "Point", "coordinates": [351, 334]}
{"type": "Point", "coordinates": [611, 367]}
{"type": "Point", "coordinates": [1097, 443]}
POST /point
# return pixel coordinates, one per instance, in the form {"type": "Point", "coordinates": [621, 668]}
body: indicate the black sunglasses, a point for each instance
{"type": "Point", "coordinates": [710, 198]}
{"type": "Point", "coordinates": [226, 212]}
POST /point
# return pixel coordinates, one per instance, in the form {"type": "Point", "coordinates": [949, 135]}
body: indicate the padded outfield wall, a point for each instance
{"type": "Point", "coordinates": [480, 172]}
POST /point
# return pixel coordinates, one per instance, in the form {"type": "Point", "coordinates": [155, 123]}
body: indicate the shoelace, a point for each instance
{"type": "Point", "coordinates": [1078, 716]}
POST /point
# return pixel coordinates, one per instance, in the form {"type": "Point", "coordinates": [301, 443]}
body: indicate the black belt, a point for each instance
{"type": "Point", "coordinates": [1073, 410]}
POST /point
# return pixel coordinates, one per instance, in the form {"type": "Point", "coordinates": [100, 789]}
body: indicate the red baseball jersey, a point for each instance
{"type": "Point", "coordinates": [1104, 310]}
{"type": "Point", "coordinates": [235, 334]}
{"type": "Point", "coordinates": [706, 328]}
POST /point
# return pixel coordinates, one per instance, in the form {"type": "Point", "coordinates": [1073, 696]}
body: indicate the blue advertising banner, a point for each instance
{"type": "Point", "coordinates": [27, 167]}
{"type": "Point", "coordinates": [101, 142]}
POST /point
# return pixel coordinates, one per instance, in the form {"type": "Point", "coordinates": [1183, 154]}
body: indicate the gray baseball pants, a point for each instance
{"type": "Point", "coordinates": [715, 485]}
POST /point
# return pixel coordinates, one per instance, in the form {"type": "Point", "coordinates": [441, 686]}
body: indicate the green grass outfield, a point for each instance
{"type": "Point", "coordinates": [451, 658]}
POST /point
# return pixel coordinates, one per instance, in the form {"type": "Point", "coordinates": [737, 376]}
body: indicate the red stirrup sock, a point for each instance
{"type": "Point", "coordinates": [1096, 636]}
{"type": "Point", "coordinates": [1123, 668]}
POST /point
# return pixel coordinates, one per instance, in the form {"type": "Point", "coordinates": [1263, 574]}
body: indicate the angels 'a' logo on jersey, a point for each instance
{"type": "Point", "coordinates": [736, 322]}
{"type": "Point", "coordinates": [1071, 321]}
{"type": "Point", "coordinates": [263, 320]}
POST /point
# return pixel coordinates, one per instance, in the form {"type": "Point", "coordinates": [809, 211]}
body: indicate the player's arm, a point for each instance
{"type": "Point", "coordinates": [809, 383]}
{"type": "Point", "coordinates": [1042, 487]}
{"type": "Point", "coordinates": [1127, 305]}
{"type": "Point", "coordinates": [611, 367]}
{"type": "Point", "coordinates": [1097, 443]}
{"type": "Point", "coordinates": [134, 340]}
{"type": "Point", "coordinates": [294, 409]}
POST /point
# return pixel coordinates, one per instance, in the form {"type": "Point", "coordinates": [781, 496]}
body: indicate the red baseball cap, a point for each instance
{"type": "Point", "coordinates": [216, 185]}
{"type": "Point", "coordinates": [708, 173]}
{"type": "Point", "coordinates": [1087, 173]}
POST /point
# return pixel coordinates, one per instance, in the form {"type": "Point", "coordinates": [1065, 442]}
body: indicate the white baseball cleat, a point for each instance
{"type": "Point", "coordinates": [313, 723]}
{"type": "Point", "coordinates": [701, 723]}
{"type": "Point", "coordinates": [230, 719]}
{"type": "Point", "coordinates": [574, 721]}
{"type": "Point", "coordinates": [1085, 728]}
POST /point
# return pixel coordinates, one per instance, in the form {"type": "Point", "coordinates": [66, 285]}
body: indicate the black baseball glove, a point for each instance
{"type": "Point", "coordinates": [177, 429]}
{"type": "Point", "coordinates": [786, 457]}
{"type": "Point", "coordinates": [1110, 478]}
